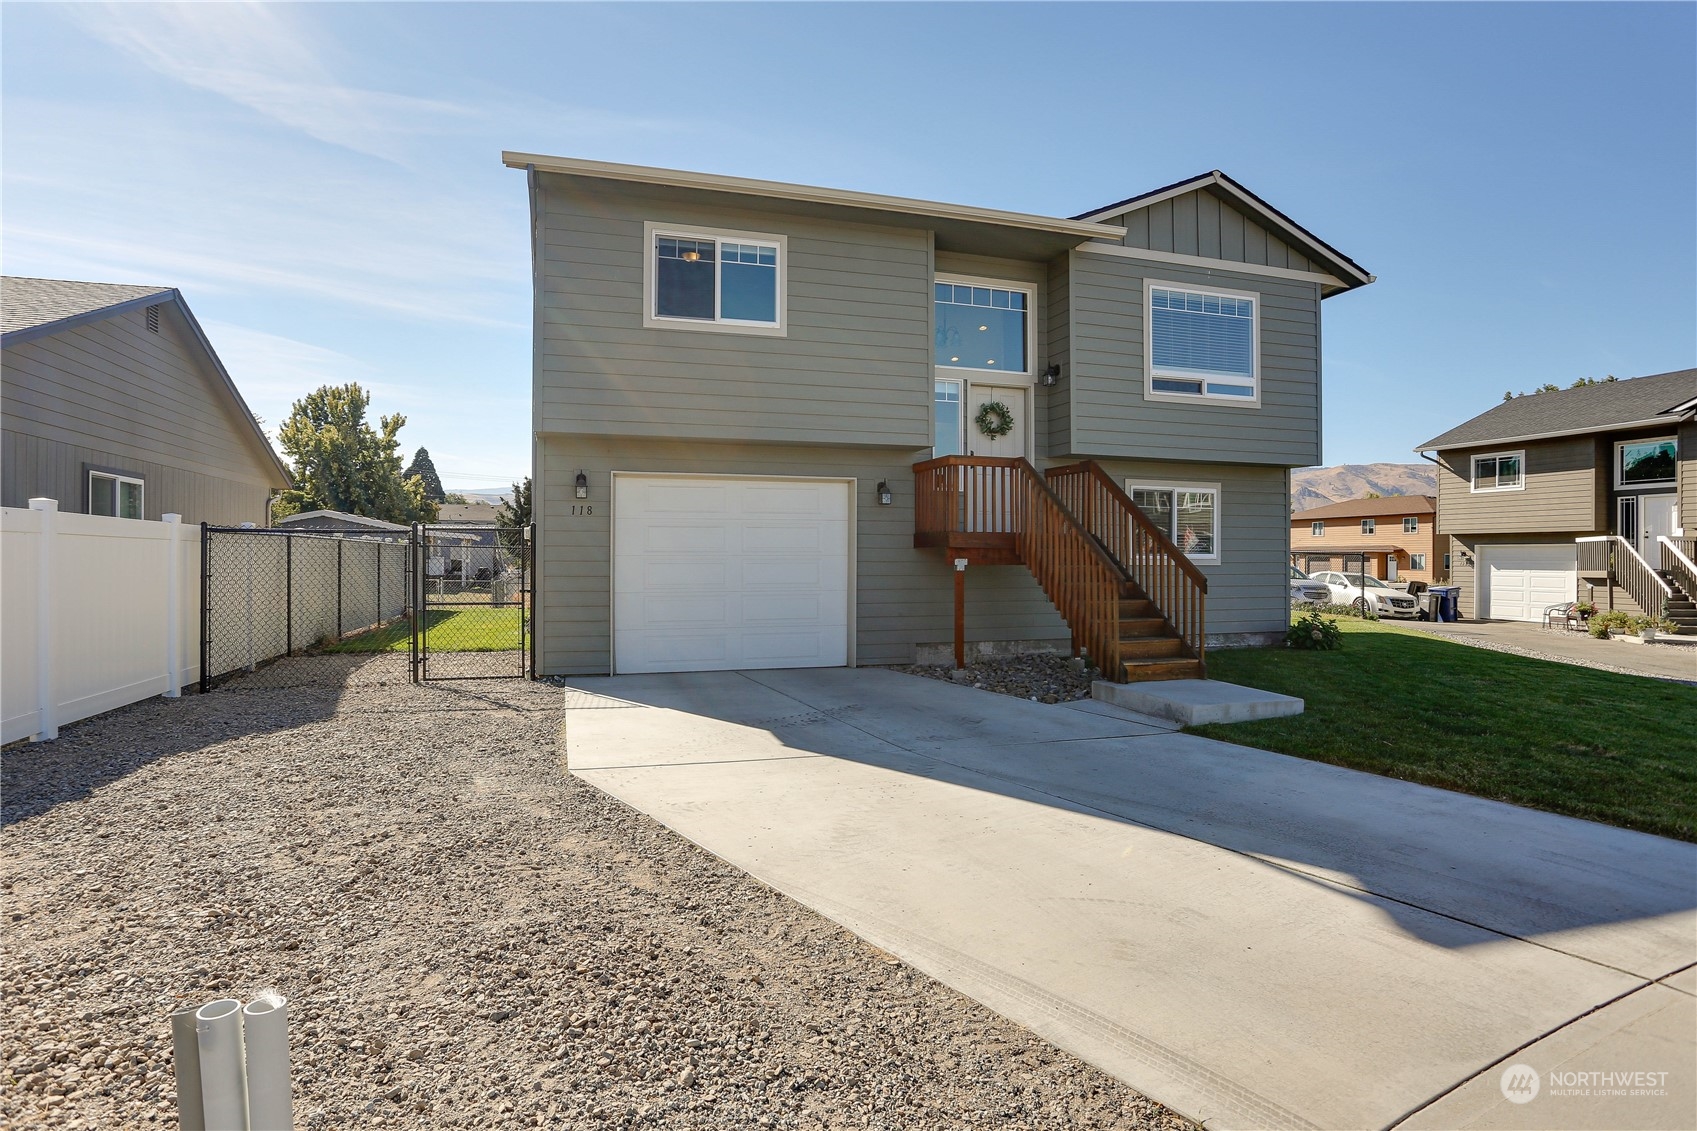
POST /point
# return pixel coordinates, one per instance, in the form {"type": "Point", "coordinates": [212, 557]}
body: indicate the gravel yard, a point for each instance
{"type": "Point", "coordinates": [467, 935]}
{"type": "Point", "coordinates": [1046, 677]}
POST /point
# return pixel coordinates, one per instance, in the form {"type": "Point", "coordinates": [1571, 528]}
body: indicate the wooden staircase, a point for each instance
{"type": "Point", "coordinates": [1132, 599]}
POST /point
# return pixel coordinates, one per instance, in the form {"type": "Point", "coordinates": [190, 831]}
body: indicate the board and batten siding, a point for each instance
{"type": "Point", "coordinates": [1110, 417]}
{"type": "Point", "coordinates": [1565, 490]}
{"type": "Point", "coordinates": [853, 367]}
{"type": "Point", "coordinates": [113, 394]}
{"type": "Point", "coordinates": [1202, 223]}
{"type": "Point", "coordinates": [904, 596]}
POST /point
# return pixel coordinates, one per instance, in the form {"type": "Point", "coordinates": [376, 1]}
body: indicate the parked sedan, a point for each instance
{"type": "Point", "coordinates": [1378, 597]}
{"type": "Point", "coordinates": [1304, 590]}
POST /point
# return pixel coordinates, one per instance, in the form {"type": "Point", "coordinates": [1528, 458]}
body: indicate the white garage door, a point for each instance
{"type": "Point", "coordinates": [713, 574]}
{"type": "Point", "coordinates": [1520, 582]}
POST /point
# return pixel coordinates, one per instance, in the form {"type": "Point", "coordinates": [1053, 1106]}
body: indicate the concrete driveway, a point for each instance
{"type": "Point", "coordinates": [1252, 939]}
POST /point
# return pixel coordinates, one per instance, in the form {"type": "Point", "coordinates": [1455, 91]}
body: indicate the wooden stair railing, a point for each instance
{"type": "Point", "coordinates": [1162, 571]}
{"type": "Point", "coordinates": [968, 501]}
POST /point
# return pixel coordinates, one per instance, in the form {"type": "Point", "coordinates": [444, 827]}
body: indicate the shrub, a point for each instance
{"type": "Point", "coordinates": [1347, 611]}
{"type": "Point", "coordinates": [1315, 632]}
{"type": "Point", "coordinates": [1604, 625]}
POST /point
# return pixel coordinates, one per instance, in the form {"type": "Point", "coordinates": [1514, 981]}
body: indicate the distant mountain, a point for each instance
{"type": "Point", "coordinates": [1317, 486]}
{"type": "Point", "coordinates": [493, 498]}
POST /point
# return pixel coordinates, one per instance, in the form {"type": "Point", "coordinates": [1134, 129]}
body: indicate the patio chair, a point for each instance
{"type": "Point", "coordinates": [1565, 616]}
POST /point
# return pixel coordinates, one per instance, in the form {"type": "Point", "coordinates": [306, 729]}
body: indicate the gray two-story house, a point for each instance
{"type": "Point", "coordinates": [1572, 493]}
{"type": "Point", "coordinates": [779, 426]}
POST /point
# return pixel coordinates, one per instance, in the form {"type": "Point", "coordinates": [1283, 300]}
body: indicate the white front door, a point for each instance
{"type": "Point", "coordinates": [1655, 520]}
{"type": "Point", "coordinates": [1390, 567]}
{"type": "Point", "coordinates": [1017, 399]}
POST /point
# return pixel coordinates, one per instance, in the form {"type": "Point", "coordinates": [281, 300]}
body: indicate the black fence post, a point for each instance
{"type": "Point", "coordinates": [205, 609]}
{"type": "Point", "coordinates": [379, 548]}
{"type": "Point", "coordinates": [415, 599]}
{"type": "Point", "coordinates": [289, 595]}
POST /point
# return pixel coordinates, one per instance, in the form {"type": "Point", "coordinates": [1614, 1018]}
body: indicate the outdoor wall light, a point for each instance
{"type": "Point", "coordinates": [1050, 377]}
{"type": "Point", "coordinates": [582, 485]}
{"type": "Point", "coordinates": [885, 495]}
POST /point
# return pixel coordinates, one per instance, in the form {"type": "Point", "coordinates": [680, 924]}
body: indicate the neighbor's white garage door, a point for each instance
{"type": "Point", "coordinates": [713, 574]}
{"type": "Point", "coordinates": [1520, 582]}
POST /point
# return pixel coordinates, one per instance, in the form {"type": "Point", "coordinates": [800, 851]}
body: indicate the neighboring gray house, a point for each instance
{"type": "Point", "coordinates": [1527, 490]}
{"type": "Point", "coordinates": [770, 418]}
{"type": "Point", "coordinates": [341, 522]}
{"type": "Point", "coordinates": [115, 403]}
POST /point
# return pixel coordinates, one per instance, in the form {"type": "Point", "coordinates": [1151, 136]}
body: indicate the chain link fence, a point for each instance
{"type": "Point", "coordinates": [473, 601]}
{"type": "Point", "coordinates": [271, 593]}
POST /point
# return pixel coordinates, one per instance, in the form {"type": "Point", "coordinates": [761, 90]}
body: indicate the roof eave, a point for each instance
{"type": "Point", "coordinates": [746, 186]}
{"type": "Point", "coordinates": [71, 321]}
{"type": "Point", "coordinates": [1439, 444]}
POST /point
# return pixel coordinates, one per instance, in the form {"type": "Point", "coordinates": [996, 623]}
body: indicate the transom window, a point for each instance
{"type": "Point", "coordinates": [118, 496]}
{"type": "Point", "coordinates": [1411, 526]}
{"type": "Point", "coordinates": [982, 326]}
{"type": "Point", "coordinates": [1500, 471]}
{"type": "Point", "coordinates": [1190, 516]}
{"type": "Point", "coordinates": [1202, 343]}
{"type": "Point", "coordinates": [1369, 526]}
{"type": "Point", "coordinates": [715, 280]}
{"type": "Point", "coordinates": [949, 423]}
{"type": "Point", "coordinates": [1642, 463]}
{"type": "Point", "coordinates": [1317, 529]}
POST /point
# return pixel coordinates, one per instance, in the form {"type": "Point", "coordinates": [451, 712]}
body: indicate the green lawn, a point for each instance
{"type": "Point", "coordinates": [447, 630]}
{"type": "Point", "coordinates": [1614, 748]}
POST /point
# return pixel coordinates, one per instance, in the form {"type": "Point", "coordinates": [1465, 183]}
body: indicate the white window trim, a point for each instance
{"type": "Point", "coordinates": [964, 388]}
{"type": "Point", "coordinates": [1413, 558]}
{"type": "Point", "coordinates": [650, 320]}
{"type": "Point", "coordinates": [1620, 445]}
{"type": "Point", "coordinates": [116, 479]}
{"type": "Point", "coordinates": [1369, 526]}
{"type": "Point", "coordinates": [1150, 373]}
{"type": "Point", "coordinates": [1219, 510]}
{"type": "Point", "coordinates": [1022, 376]}
{"type": "Point", "coordinates": [1316, 530]}
{"type": "Point", "coordinates": [1415, 529]}
{"type": "Point", "coordinates": [1473, 472]}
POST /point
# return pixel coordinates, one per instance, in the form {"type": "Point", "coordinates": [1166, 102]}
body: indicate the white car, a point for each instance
{"type": "Point", "coordinates": [1304, 590]}
{"type": "Point", "coordinates": [1378, 597]}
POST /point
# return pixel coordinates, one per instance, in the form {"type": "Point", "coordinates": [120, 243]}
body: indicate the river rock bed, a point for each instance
{"type": "Point", "coordinates": [468, 936]}
{"type": "Point", "coordinates": [1043, 677]}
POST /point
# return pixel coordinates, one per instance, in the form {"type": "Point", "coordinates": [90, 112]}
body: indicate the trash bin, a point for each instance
{"type": "Point", "coordinates": [1447, 597]}
{"type": "Point", "coordinates": [1431, 604]}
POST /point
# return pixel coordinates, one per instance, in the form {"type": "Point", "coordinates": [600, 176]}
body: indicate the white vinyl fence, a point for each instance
{"type": "Point", "coordinates": [95, 613]}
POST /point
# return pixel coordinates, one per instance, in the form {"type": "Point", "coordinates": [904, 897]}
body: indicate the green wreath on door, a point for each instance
{"type": "Point", "coordinates": [994, 419]}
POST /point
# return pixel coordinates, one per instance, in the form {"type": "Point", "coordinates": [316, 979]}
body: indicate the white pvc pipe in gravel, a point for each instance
{"type": "Point", "coordinates": [223, 1079]}
{"type": "Point", "coordinates": [185, 1062]}
{"type": "Point", "coordinates": [265, 1022]}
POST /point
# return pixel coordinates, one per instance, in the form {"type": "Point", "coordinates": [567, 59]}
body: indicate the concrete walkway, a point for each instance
{"type": "Point", "coordinates": [1671, 657]}
{"type": "Point", "coordinates": [1254, 940]}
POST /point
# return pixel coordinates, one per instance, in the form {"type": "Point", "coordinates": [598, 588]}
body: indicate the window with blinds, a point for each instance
{"type": "Point", "coordinates": [1202, 344]}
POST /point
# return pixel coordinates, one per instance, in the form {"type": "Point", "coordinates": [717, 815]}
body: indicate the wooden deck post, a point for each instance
{"type": "Point", "coordinates": [960, 613]}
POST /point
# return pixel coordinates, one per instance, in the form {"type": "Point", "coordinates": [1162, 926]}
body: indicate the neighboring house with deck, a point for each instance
{"type": "Point", "coordinates": [114, 403]}
{"type": "Point", "coordinates": [780, 426]}
{"type": "Point", "coordinates": [1542, 496]}
{"type": "Point", "coordinates": [1394, 534]}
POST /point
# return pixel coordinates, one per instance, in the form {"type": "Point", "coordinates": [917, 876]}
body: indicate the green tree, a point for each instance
{"type": "Point", "coordinates": [514, 515]}
{"type": "Point", "coordinates": [342, 463]}
{"type": "Point", "coordinates": [425, 469]}
{"type": "Point", "coordinates": [456, 498]}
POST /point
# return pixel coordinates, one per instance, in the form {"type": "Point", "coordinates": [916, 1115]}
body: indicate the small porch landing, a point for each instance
{"type": "Point", "coordinates": [1193, 702]}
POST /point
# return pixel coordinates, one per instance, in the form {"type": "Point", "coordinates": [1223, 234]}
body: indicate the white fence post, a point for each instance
{"type": "Point", "coordinates": [173, 605]}
{"type": "Point", "coordinates": [46, 687]}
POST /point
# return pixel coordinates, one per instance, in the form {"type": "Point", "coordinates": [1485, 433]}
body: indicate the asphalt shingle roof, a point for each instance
{"type": "Point", "coordinates": [1592, 407]}
{"type": "Point", "coordinates": [27, 303]}
{"type": "Point", "coordinates": [1371, 508]}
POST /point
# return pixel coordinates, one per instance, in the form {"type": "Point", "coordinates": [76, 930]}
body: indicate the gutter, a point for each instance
{"type": "Point", "coordinates": [1434, 446]}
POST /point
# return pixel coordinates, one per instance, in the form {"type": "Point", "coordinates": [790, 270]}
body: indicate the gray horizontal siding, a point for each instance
{"type": "Point", "coordinates": [1202, 223]}
{"type": "Point", "coordinates": [1110, 417]}
{"type": "Point", "coordinates": [37, 468]}
{"type": "Point", "coordinates": [905, 596]}
{"type": "Point", "coordinates": [1688, 478]}
{"type": "Point", "coordinates": [1563, 491]}
{"type": "Point", "coordinates": [853, 368]}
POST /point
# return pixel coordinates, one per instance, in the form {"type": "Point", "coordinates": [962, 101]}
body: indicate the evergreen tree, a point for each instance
{"type": "Point", "coordinates": [342, 463]}
{"type": "Point", "coordinates": [514, 515]}
{"type": "Point", "coordinates": [425, 469]}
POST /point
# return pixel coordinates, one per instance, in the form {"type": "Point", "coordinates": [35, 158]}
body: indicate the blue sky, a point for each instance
{"type": "Point", "coordinates": [323, 181]}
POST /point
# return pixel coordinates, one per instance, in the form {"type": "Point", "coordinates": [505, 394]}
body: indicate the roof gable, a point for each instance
{"type": "Point", "coordinates": [1573, 412]}
{"type": "Point", "coordinates": [1370, 508]}
{"type": "Point", "coordinates": [1215, 217]}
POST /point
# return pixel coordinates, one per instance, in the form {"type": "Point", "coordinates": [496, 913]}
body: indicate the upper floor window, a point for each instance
{"type": "Point", "coordinates": [982, 326]}
{"type": "Point", "coordinates": [1500, 471]}
{"type": "Point", "coordinates": [1645, 463]}
{"type": "Point", "coordinates": [1190, 516]}
{"type": "Point", "coordinates": [119, 496]}
{"type": "Point", "coordinates": [714, 280]}
{"type": "Point", "coordinates": [1202, 343]}
{"type": "Point", "coordinates": [1369, 526]}
{"type": "Point", "coordinates": [948, 421]}
{"type": "Point", "coordinates": [1317, 529]}
{"type": "Point", "coordinates": [1411, 526]}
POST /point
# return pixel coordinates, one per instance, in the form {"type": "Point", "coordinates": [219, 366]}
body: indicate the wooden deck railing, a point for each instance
{"type": "Point", "coordinates": [1677, 559]}
{"type": "Point", "coordinates": [1154, 564]}
{"type": "Point", "coordinates": [1614, 556]}
{"type": "Point", "coordinates": [968, 496]}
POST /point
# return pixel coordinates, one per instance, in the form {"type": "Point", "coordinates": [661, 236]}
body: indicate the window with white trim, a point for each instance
{"type": "Point", "coordinates": [117, 496]}
{"type": "Point", "coordinates": [1411, 526]}
{"type": "Point", "coordinates": [1646, 463]}
{"type": "Point", "coordinates": [949, 421]}
{"type": "Point", "coordinates": [982, 325]}
{"type": "Point", "coordinates": [1189, 515]}
{"type": "Point", "coordinates": [1369, 526]}
{"type": "Point", "coordinates": [1202, 343]}
{"type": "Point", "coordinates": [1499, 471]}
{"type": "Point", "coordinates": [1417, 562]}
{"type": "Point", "coordinates": [706, 279]}
{"type": "Point", "coordinates": [1317, 529]}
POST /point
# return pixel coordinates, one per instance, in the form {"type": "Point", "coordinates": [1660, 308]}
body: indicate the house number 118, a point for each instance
{"type": "Point", "coordinates": [583, 508]}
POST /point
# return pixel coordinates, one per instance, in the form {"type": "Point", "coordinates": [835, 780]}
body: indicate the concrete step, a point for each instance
{"type": "Point", "coordinates": [1142, 626]}
{"type": "Point", "coordinates": [1141, 671]}
{"type": "Point", "coordinates": [1150, 647]}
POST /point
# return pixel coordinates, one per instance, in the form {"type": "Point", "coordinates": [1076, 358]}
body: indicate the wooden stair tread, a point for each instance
{"type": "Point", "coordinates": [1138, 671]}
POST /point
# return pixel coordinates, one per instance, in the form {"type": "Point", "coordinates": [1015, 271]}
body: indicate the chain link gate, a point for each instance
{"type": "Point", "coordinates": [471, 596]}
